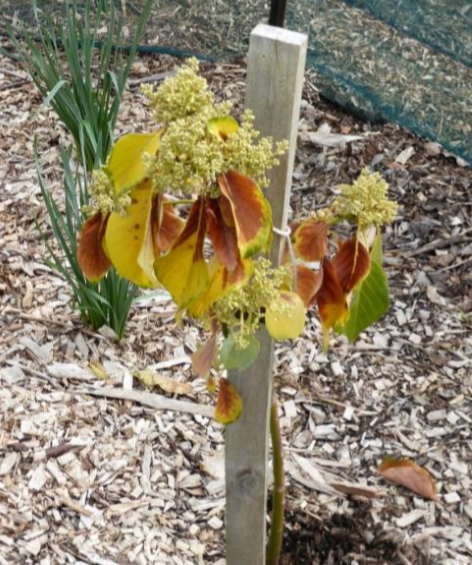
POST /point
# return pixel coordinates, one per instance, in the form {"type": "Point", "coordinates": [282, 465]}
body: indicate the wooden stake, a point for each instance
{"type": "Point", "coordinates": [276, 64]}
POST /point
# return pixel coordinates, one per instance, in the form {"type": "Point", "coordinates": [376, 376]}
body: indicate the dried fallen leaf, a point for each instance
{"type": "Point", "coordinates": [150, 378]}
{"type": "Point", "coordinates": [99, 370]}
{"type": "Point", "coordinates": [410, 475]}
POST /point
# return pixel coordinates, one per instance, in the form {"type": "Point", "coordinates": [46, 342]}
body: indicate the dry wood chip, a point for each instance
{"type": "Point", "coordinates": [8, 462]}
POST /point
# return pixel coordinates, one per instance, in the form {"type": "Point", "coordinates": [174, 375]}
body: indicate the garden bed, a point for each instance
{"type": "Point", "coordinates": [85, 478]}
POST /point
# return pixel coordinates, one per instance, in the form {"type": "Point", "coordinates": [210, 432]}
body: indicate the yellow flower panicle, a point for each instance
{"type": "Point", "coordinates": [241, 309]}
{"type": "Point", "coordinates": [366, 201]}
{"type": "Point", "coordinates": [102, 196]}
{"type": "Point", "coordinates": [190, 157]}
{"type": "Point", "coordinates": [181, 96]}
{"type": "Point", "coordinates": [251, 155]}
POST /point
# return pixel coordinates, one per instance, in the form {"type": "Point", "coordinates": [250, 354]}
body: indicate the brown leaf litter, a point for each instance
{"type": "Point", "coordinates": [105, 471]}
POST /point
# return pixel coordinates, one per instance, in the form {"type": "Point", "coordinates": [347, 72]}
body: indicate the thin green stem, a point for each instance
{"type": "Point", "coordinates": [274, 546]}
{"type": "Point", "coordinates": [177, 202]}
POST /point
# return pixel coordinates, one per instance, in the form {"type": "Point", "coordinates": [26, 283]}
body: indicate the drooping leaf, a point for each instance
{"type": "Point", "coordinates": [90, 255]}
{"type": "Point", "coordinates": [128, 239]}
{"type": "Point", "coordinates": [351, 263]}
{"type": "Point", "coordinates": [331, 300]}
{"type": "Point", "coordinates": [126, 160]}
{"type": "Point", "coordinates": [410, 475]}
{"type": "Point", "coordinates": [251, 212]}
{"type": "Point", "coordinates": [286, 319]}
{"type": "Point", "coordinates": [308, 283]}
{"type": "Point", "coordinates": [310, 240]}
{"type": "Point", "coordinates": [229, 405]}
{"type": "Point", "coordinates": [168, 226]}
{"type": "Point", "coordinates": [370, 300]}
{"type": "Point", "coordinates": [222, 126]}
{"type": "Point", "coordinates": [223, 236]}
{"type": "Point", "coordinates": [183, 271]}
{"type": "Point", "coordinates": [150, 378]}
{"type": "Point", "coordinates": [220, 281]}
{"type": "Point", "coordinates": [205, 355]}
{"type": "Point", "coordinates": [232, 357]}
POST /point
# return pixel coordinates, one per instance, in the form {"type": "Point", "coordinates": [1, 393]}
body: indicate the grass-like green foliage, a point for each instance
{"type": "Point", "coordinates": [107, 302]}
{"type": "Point", "coordinates": [83, 79]}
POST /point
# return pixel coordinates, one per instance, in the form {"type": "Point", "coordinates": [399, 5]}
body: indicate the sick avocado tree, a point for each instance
{"type": "Point", "coordinates": [183, 207]}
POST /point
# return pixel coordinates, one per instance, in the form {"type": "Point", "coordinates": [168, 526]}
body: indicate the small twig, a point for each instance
{"type": "Point", "coordinates": [443, 243]}
{"type": "Point", "coordinates": [152, 78]}
{"type": "Point", "coordinates": [61, 449]}
{"type": "Point", "coordinates": [152, 400]}
{"type": "Point", "coordinates": [75, 507]}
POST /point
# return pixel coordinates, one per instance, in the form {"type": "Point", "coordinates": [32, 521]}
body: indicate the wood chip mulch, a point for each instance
{"type": "Point", "coordinates": [138, 478]}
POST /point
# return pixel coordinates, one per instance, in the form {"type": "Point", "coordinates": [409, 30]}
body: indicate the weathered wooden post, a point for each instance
{"type": "Point", "coordinates": [276, 64]}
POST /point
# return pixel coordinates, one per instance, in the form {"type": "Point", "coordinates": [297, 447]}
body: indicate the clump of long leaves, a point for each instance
{"type": "Point", "coordinates": [83, 79]}
{"type": "Point", "coordinates": [103, 303]}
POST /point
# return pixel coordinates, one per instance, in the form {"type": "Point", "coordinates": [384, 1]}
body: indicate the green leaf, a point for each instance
{"type": "Point", "coordinates": [370, 300]}
{"type": "Point", "coordinates": [234, 358]}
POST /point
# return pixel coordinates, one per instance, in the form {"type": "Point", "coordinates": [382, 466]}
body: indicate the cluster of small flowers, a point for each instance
{"type": "Point", "coordinates": [241, 309]}
{"type": "Point", "coordinates": [365, 201]}
{"type": "Point", "coordinates": [103, 197]}
{"type": "Point", "coordinates": [184, 95]}
{"type": "Point", "coordinates": [250, 155]}
{"type": "Point", "coordinates": [190, 158]}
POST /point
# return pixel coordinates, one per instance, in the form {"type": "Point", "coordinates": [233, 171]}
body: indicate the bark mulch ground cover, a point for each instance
{"type": "Point", "coordinates": [104, 471]}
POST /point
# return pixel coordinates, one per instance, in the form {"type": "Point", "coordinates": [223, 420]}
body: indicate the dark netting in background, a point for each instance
{"type": "Point", "coordinates": [408, 61]}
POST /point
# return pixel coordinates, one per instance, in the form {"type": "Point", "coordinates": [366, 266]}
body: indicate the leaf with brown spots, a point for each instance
{"type": "Point", "coordinates": [229, 405]}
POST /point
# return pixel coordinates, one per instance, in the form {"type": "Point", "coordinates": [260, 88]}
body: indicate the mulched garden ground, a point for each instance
{"type": "Point", "coordinates": [85, 478]}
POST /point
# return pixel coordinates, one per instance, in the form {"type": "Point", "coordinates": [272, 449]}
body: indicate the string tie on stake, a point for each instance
{"type": "Point", "coordinates": [286, 233]}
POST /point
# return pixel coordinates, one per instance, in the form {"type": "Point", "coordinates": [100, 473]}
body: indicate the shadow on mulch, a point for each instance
{"type": "Point", "coordinates": [343, 539]}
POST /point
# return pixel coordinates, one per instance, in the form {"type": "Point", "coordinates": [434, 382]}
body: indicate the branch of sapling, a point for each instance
{"type": "Point", "coordinates": [274, 545]}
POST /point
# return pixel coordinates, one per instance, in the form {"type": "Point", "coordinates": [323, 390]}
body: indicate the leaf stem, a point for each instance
{"type": "Point", "coordinates": [274, 546]}
{"type": "Point", "coordinates": [177, 202]}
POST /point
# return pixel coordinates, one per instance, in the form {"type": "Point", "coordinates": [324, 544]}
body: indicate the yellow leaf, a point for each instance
{"type": "Point", "coordinates": [128, 239]}
{"type": "Point", "coordinates": [222, 126]}
{"type": "Point", "coordinates": [220, 283]}
{"type": "Point", "coordinates": [229, 405]}
{"type": "Point", "coordinates": [99, 370]}
{"type": "Point", "coordinates": [183, 271]}
{"type": "Point", "coordinates": [126, 160]}
{"type": "Point", "coordinates": [151, 379]}
{"type": "Point", "coordinates": [286, 319]}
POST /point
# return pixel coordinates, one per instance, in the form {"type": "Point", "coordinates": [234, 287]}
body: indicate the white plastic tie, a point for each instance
{"type": "Point", "coordinates": [286, 233]}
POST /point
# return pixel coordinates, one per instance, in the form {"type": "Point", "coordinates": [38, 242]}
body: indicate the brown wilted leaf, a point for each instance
{"type": "Point", "coordinates": [229, 405]}
{"type": "Point", "coordinates": [204, 357]}
{"type": "Point", "coordinates": [410, 475]}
